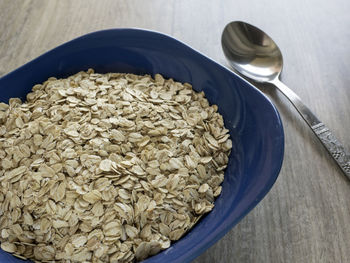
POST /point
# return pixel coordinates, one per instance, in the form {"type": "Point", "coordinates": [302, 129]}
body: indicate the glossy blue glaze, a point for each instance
{"type": "Point", "coordinates": [253, 121]}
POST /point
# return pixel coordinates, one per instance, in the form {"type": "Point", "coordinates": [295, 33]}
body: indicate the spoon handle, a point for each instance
{"type": "Point", "coordinates": [334, 147]}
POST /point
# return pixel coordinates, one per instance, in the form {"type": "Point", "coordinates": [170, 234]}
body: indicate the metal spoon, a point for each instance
{"type": "Point", "coordinates": [256, 56]}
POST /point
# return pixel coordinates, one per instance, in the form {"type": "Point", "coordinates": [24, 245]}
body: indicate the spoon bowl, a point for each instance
{"type": "Point", "coordinates": [253, 54]}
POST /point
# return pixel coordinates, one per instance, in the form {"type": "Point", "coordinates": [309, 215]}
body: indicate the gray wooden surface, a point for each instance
{"type": "Point", "coordinates": [306, 216]}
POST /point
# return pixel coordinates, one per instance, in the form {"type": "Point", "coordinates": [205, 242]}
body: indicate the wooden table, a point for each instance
{"type": "Point", "coordinates": [306, 216]}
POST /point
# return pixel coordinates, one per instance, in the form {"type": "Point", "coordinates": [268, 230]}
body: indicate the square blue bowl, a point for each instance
{"type": "Point", "coordinates": [254, 123]}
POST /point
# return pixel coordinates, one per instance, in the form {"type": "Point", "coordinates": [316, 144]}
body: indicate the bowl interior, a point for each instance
{"type": "Point", "coordinates": [254, 123]}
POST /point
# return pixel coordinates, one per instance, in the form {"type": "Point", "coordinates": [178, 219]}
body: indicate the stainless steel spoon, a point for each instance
{"type": "Point", "coordinates": [256, 56]}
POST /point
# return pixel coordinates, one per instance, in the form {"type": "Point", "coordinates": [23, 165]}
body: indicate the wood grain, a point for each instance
{"type": "Point", "coordinates": [305, 217]}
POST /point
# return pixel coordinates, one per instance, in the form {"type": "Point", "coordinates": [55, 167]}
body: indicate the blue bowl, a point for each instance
{"type": "Point", "coordinates": [253, 121]}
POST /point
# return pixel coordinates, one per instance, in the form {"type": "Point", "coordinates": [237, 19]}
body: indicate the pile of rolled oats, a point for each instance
{"type": "Point", "coordinates": [107, 167]}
